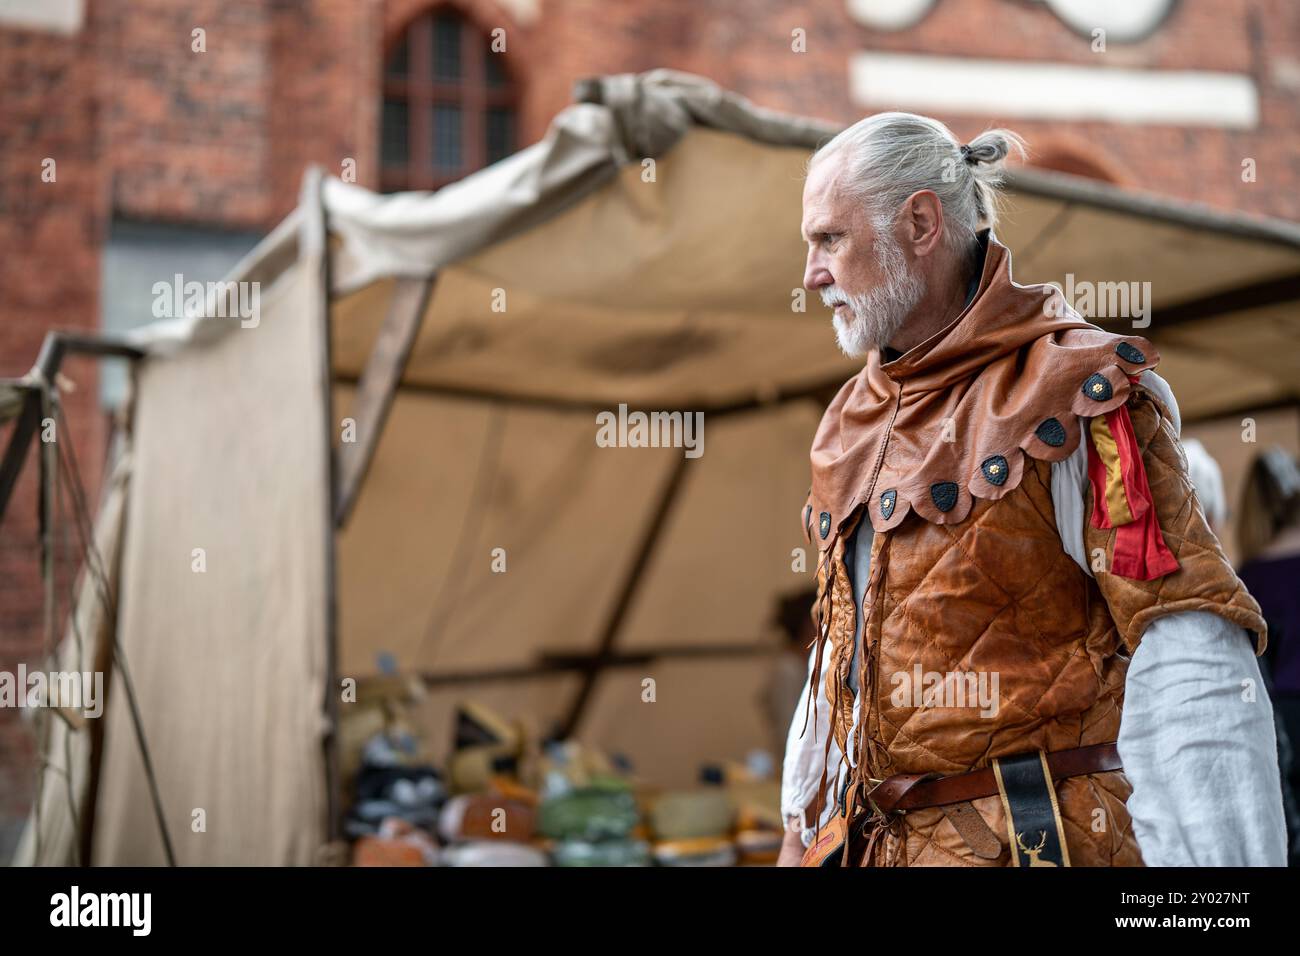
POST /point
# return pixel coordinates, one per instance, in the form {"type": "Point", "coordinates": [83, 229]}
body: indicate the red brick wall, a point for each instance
{"type": "Point", "coordinates": [49, 273]}
{"type": "Point", "coordinates": [326, 65]}
{"type": "Point", "coordinates": [1260, 38]}
{"type": "Point", "coordinates": [184, 133]}
{"type": "Point", "coordinates": [222, 136]}
{"type": "Point", "coordinates": [752, 54]}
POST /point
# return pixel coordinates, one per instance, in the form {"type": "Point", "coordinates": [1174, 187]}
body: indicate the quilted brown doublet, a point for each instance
{"type": "Point", "coordinates": [996, 594]}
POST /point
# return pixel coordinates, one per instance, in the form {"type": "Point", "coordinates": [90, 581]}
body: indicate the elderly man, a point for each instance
{"type": "Point", "coordinates": [1032, 650]}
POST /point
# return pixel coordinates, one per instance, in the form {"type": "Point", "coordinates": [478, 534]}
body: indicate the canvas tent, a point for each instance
{"type": "Point", "coordinates": [647, 253]}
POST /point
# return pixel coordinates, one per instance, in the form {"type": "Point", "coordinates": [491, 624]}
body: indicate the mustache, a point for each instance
{"type": "Point", "coordinates": [831, 297]}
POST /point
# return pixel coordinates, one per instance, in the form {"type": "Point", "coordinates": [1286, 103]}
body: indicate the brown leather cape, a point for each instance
{"type": "Point", "coordinates": [952, 418]}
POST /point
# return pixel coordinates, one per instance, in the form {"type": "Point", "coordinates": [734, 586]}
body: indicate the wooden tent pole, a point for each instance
{"type": "Point", "coordinates": [313, 253]}
{"type": "Point", "coordinates": [378, 386]}
{"type": "Point", "coordinates": [53, 349]}
{"type": "Point", "coordinates": [631, 582]}
{"type": "Point", "coordinates": [568, 663]}
{"type": "Point", "coordinates": [815, 390]}
{"type": "Point", "coordinates": [1257, 295]}
{"type": "Point", "coordinates": [106, 641]}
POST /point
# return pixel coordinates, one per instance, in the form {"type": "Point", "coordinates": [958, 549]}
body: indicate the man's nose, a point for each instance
{"type": "Point", "coordinates": [816, 275]}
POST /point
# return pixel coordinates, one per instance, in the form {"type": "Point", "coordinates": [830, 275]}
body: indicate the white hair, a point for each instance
{"type": "Point", "coordinates": [877, 314]}
{"type": "Point", "coordinates": [889, 156]}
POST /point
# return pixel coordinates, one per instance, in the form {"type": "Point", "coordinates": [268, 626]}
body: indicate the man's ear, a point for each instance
{"type": "Point", "coordinates": [922, 223]}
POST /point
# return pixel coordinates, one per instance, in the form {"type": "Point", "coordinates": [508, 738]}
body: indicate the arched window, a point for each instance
{"type": "Point", "coordinates": [449, 103]}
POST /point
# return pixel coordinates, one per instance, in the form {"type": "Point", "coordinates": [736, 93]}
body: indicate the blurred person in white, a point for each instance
{"type": "Point", "coordinates": [1207, 478]}
{"type": "Point", "coordinates": [999, 492]}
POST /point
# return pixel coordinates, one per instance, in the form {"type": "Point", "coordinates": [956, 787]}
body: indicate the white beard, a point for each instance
{"type": "Point", "coordinates": [877, 315]}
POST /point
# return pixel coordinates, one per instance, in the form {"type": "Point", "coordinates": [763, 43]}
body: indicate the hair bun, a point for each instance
{"type": "Point", "coordinates": [991, 147]}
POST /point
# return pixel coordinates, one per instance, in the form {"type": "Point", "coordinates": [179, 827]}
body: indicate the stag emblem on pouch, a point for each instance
{"type": "Point", "coordinates": [1034, 851]}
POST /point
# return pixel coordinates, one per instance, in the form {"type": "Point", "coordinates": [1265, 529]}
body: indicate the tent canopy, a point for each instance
{"type": "Point", "coordinates": [675, 285]}
{"type": "Point", "coordinates": [647, 253]}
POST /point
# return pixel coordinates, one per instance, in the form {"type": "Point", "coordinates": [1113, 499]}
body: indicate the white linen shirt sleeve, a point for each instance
{"type": "Point", "coordinates": [1199, 747]}
{"type": "Point", "coordinates": [806, 756]}
{"type": "Point", "coordinates": [1201, 757]}
{"type": "Point", "coordinates": [803, 767]}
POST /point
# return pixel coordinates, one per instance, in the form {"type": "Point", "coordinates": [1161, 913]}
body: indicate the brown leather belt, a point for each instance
{"type": "Point", "coordinates": [916, 791]}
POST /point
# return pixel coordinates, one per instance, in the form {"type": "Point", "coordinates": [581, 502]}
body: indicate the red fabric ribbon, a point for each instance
{"type": "Point", "coordinates": [1140, 551]}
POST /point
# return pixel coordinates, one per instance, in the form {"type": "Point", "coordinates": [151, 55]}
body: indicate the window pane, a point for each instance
{"type": "Point", "coordinates": [500, 133]}
{"type": "Point", "coordinates": [446, 138]}
{"type": "Point", "coordinates": [496, 68]}
{"type": "Point", "coordinates": [399, 60]}
{"type": "Point", "coordinates": [137, 255]}
{"type": "Point", "coordinates": [395, 149]}
{"type": "Point", "coordinates": [446, 48]}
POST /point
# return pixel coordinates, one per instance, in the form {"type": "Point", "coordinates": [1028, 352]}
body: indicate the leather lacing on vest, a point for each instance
{"type": "Point", "coordinates": [826, 567]}
{"type": "Point", "coordinates": [869, 753]}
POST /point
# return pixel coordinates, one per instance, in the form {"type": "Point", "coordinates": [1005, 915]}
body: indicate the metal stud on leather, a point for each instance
{"type": "Point", "coordinates": [887, 502]}
{"type": "Point", "coordinates": [944, 495]}
{"type": "Point", "coordinates": [995, 469]}
{"type": "Point", "coordinates": [1097, 387]}
{"type": "Point", "coordinates": [1130, 353]}
{"type": "Point", "coordinates": [1051, 432]}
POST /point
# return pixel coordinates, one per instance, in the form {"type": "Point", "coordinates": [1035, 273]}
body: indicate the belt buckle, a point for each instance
{"type": "Point", "coordinates": [873, 782]}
